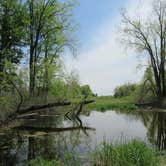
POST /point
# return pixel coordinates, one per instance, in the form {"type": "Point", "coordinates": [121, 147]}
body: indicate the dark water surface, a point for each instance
{"type": "Point", "coordinates": [53, 136]}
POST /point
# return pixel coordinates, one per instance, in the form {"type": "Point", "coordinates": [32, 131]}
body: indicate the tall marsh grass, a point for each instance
{"type": "Point", "coordinates": [134, 153]}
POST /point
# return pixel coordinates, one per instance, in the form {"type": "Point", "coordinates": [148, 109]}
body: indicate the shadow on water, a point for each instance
{"type": "Point", "coordinates": [51, 136]}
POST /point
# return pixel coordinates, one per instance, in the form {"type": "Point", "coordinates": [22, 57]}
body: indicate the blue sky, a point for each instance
{"type": "Point", "coordinates": [102, 61]}
{"type": "Point", "coordinates": [91, 14]}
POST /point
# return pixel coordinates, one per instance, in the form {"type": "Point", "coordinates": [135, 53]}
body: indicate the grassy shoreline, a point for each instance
{"type": "Point", "coordinates": [133, 153]}
{"type": "Point", "coordinates": [104, 103]}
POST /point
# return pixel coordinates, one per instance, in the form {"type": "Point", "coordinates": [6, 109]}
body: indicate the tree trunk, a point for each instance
{"type": "Point", "coordinates": [31, 62]}
{"type": "Point", "coordinates": [157, 77]}
{"type": "Point", "coordinates": [163, 81]}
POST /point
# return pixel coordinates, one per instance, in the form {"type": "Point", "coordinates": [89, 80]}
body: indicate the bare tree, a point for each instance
{"type": "Point", "coordinates": [150, 37]}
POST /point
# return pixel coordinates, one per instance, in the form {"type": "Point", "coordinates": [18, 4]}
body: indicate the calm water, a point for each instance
{"type": "Point", "coordinates": [51, 136]}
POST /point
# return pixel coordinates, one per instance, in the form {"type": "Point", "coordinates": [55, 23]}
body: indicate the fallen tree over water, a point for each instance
{"type": "Point", "coordinates": [39, 108]}
{"type": "Point", "coordinates": [51, 129]}
{"type": "Point", "coordinates": [56, 104]}
{"type": "Point", "coordinates": [44, 106]}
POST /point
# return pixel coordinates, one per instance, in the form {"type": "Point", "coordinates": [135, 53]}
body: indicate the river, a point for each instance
{"type": "Point", "coordinates": [51, 136]}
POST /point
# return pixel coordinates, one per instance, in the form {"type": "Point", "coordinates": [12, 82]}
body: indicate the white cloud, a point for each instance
{"type": "Point", "coordinates": [107, 64]}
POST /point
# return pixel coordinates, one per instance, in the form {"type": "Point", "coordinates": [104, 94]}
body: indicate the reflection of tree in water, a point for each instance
{"type": "Point", "coordinates": [47, 137]}
{"type": "Point", "coordinates": [156, 125]}
{"type": "Point", "coordinates": [12, 149]}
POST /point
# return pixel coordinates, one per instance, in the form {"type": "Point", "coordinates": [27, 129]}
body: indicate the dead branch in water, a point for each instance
{"type": "Point", "coordinates": [44, 106]}
{"type": "Point", "coordinates": [51, 129]}
{"type": "Point", "coordinates": [81, 104]}
{"type": "Point", "coordinates": [57, 104]}
{"type": "Point", "coordinates": [37, 108]}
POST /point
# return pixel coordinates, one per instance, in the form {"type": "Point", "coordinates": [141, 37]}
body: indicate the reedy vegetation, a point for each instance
{"type": "Point", "coordinates": [127, 154]}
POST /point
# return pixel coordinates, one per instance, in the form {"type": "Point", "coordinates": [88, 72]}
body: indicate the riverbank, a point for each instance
{"type": "Point", "coordinates": [51, 137]}
{"type": "Point", "coordinates": [132, 153]}
{"type": "Point", "coordinates": [108, 102]}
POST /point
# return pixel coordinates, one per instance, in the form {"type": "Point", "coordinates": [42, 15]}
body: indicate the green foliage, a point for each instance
{"type": "Point", "coordinates": [73, 85]}
{"type": "Point", "coordinates": [42, 162]}
{"type": "Point", "coordinates": [38, 30]}
{"type": "Point", "coordinates": [108, 103]}
{"type": "Point", "coordinates": [71, 159]}
{"type": "Point", "coordinates": [12, 16]}
{"type": "Point", "coordinates": [124, 90]}
{"type": "Point", "coordinates": [68, 160]}
{"type": "Point", "coordinates": [147, 89]}
{"type": "Point", "coordinates": [134, 153]}
{"type": "Point", "coordinates": [70, 88]}
{"type": "Point", "coordinates": [86, 91]}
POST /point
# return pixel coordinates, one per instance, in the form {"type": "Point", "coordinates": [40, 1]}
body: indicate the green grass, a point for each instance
{"type": "Point", "coordinates": [134, 153]}
{"type": "Point", "coordinates": [42, 162]}
{"type": "Point", "coordinates": [106, 103]}
{"type": "Point", "coordinates": [69, 159]}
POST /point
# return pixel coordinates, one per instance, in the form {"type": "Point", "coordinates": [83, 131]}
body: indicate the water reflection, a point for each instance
{"type": "Point", "coordinates": [156, 128]}
{"type": "Point", "coordinates": [50, 136]}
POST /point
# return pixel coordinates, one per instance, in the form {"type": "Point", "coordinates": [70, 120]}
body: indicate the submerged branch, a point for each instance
{"type": "Point", "coordinates": [51, 129]}
{"type": "Point", "coordinates": [81, 104]}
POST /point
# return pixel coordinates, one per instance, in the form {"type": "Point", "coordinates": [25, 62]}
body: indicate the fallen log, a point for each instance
{"type": "Point", "coordinates": [44, 106]}
{"type": "Point", "coordinates": [57, 104]}
{"type": "Point", "coordinates": [51, 129]}
{"type": "Point", "coordinates": [87, 101]}
{"type": "Point", "coordinates": [37, 108]}
{"type": "Point", "coordinates": [30, 109]}
{"type": "Point", "coordinates": [147, 104]}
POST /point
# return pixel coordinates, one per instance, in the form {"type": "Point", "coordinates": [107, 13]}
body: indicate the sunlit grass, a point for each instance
{"type": "Point", "coordinates": [134, 153]}
{"type": "Point", "coordinates": [109, 103]}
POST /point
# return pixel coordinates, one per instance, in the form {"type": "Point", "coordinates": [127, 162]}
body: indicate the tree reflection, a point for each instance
{"type": "Point", "coordinates": [46, 137]}
{"type": "Point", "coordinates": [156, 125]}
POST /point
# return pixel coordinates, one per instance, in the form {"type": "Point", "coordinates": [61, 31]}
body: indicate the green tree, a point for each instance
{"type": "Point", "coordinates": [12, 42]}
{"type": "Point", "coordinates": [150, 37]}
{"type": "Point", "coordinates": [12, 25]}
{"type": "Point", "coordinates": [125, 90]}
{"type": "Point", "coordinates": [42, 30]}
{"type": "Point", "coordinates": [48, 23]}
{"type": "Point", "coordinates": [86, 91]}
